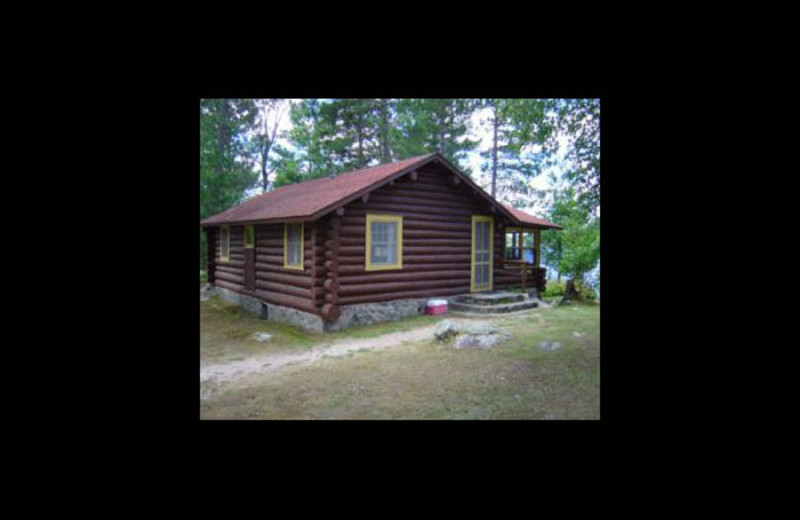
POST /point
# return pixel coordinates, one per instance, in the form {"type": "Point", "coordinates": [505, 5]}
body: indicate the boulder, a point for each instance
{"type": "Point", "coordinates": [263, 336]}
{"type": "Point", "coordinates": [549, 345]}
{"type": "Point", "coordinates": [480, 341]}
{"type": "Point", "coordinates": [476, 334]}
{"type": "Point", "coordinates": [445, 329]}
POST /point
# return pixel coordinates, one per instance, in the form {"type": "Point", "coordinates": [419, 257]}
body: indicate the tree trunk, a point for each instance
{"type": "Point", "coordinates": [386, 150]}
{"type": "Point", "coordinates": [494, 151]}
{"type": "Point", "coordinates": [440, 120]}
{"type": "Point", "coordinates": [570, 292]}
{"type": "Point", "coordinates": [264, 154]}
{"type": "Point", "coordinates": [222, 143]}
{"type": "Point", "coordinates": [360, 142]}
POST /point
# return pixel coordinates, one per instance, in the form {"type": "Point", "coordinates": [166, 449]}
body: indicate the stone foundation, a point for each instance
{"type": "Point", "coordinates": [352, 315]}
{"type": "Point", "coordinates": [366, 313]}
{"type": "Point", "coordinates": [269, 311]}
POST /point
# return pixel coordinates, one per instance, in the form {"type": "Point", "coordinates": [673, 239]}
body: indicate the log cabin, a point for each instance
{"type": "Point", "coordinates": [370, 245]}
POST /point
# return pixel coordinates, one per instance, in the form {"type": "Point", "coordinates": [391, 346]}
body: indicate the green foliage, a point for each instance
{"type": "Point", "coordinates": [435, 125]}
{"type": "Point", "coordinates": [516, 156]}
{"type": "Point", "coordinates": [575, 250]}
{"type": "Point", "coordinates": [554, 288]}
{"type": "Point", "coordinates": [336, 135]}
{"type": "Point", "coordinates": [580, 119]}
{"type": "Point", "coordinates": [239, 143]}
{"type": "Point", "coordinates": [225, 169]}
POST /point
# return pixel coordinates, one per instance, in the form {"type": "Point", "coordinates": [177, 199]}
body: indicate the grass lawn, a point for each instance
{"type": "Point", "coordinates": [427, 380]}
{"type": "Point", "coordinates": [227, 332]}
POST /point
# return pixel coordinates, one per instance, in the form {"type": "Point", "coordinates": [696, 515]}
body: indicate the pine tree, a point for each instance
{"type": "Point", "coordinates": [225, 167]}
{"type": "Point", "coordinates": [511, 160]}
{"type": "Point", "coordinates": [435, 125]}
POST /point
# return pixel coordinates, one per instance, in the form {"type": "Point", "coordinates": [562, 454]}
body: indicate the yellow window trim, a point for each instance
{"type": "Point", "coordinates": [227, 235]}
{"type": "Point", "coordinates": [397, 219]}
{"type": "Point", "coordinates": [249, 244]}
{"type": "Point", "coordinates": [286, 265]}
{"type": "Point", "coordinates": [475, 220]}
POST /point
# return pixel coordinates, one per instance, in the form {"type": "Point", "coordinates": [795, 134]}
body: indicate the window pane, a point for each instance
{"type": "Point", "coordinates": [294, 244]}
{"type": "Point", "coordinates": [528, 255]}
{"type": "Point", "coordinates": [528, 239]}
{"type": "Point", "coordinates": [383, 239]}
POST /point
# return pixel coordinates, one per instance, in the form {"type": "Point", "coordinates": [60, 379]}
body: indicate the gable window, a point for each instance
{"type": "Point", "coordinates": [520, 245]}
{"type": "Point", "coordinates": [225, 244]}
{"type": "Point", "coordinates": [384, 242]}
{"type": "Point", "coordinates": [293, 246]}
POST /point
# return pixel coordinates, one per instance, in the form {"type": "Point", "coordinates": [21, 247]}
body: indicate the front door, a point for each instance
{"type": "Point", "coordinates": [482, 242]}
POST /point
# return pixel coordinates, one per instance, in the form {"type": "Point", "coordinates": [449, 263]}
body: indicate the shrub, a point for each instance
{"type": "Point", "coordinates": [554, 288]}
{"type": "Point", "coordinates": [203, 277]}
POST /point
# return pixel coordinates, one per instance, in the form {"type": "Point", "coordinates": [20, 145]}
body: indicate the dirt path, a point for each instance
{"type": "Point", "coordinates": [265, 363]}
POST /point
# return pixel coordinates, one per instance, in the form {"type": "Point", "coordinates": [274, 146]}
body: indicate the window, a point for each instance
{"type": "Point", "coordinates": [384, 242]}
{"type": "Point", "coordinates": [225, 244]}
{"type": "Point", "coordinates": [520, 245]}
{"type": "Point", "coordinates": [249, 236]}
{"type": "Point", "coordinates": [293, 246]}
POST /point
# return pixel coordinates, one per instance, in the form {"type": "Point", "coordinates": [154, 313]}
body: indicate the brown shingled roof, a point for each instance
{"type": "Point", "coordinates": [310, 200]}
{"type": "Point", "coordinates": [527, 218]}
{"type": "Point", "coordinates": [306, 199]}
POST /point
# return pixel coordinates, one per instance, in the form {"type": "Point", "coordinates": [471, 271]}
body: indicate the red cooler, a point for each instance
{"type": "Point", "coordinates": [436, 307]}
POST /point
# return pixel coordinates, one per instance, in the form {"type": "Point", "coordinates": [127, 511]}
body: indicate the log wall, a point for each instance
{"type": "Point", "coordinates": [437, 239]}
{"type": "Point", "coordinates": [211, 255]}
{"type": "Point", "coordinates": [273, 283]}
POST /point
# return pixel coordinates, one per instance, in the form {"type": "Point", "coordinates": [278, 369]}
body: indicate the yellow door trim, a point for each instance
{"type": "Point", "coordinates": [475, 220]}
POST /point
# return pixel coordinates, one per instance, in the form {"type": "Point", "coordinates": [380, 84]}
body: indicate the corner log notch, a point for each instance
{"type": "Point", "coordinates": [330, 309]}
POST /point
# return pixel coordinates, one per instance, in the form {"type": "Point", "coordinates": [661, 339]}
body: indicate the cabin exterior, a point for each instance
{"type": "Point", "coordinates": [370, 245]}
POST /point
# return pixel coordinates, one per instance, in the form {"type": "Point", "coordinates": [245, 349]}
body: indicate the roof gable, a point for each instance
{"type": "Point", "coordinates": [312, 199]}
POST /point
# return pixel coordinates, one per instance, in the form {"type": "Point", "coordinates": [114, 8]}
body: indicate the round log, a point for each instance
{"type": "Point", "coordinates": [283, 277]}
{"type": "Point", "coordinates": [331, 312]}
{"type": "Point", "coordinates": [454, 203]}
{"type": "Point", "coordinates": [331, 265]}
{"type": "Point", "coordinates": [389, 276]}
{"type": "Point", "coordinates": [384, 288]}
{"type": "Point", "coordinates": [331, 285]}
{"type": "Point", "coordinates": [227, 285]}
{"type": "Point", "coordinates": [303, 304]}
{"type": "Point", "coordinates": [282, 288]}
{"type": "Point", "coordinates": [397, 207]}
{"type": "Point", "coordinates": [228, 277]}
{"type": "Point", "coordinates": [358, 269]}
{"type": "Point", "coordinates": [426, 293]}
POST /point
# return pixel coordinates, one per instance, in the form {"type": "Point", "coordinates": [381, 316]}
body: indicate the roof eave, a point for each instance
{"type": "Point", "coordinates": [372, 187]}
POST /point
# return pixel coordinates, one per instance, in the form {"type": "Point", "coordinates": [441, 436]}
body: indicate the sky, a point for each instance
{"type": "Point", "coordinates": [478, 132]}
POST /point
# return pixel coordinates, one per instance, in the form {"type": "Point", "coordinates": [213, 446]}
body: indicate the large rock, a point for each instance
{"type": "Point", "coordinates": [445, 329]}
{"type": "Point", "coordinates": [549, 345]}
{"type": "Point", "coordinates": [475, 334]}
{"type": "Point", "coordinates": [480, 341]}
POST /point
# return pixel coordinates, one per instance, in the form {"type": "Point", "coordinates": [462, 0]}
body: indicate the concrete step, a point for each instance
{"type": "Point", "coordinates": [490, 298]}
{"type": "Point", "coordinates": [500, 308]}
